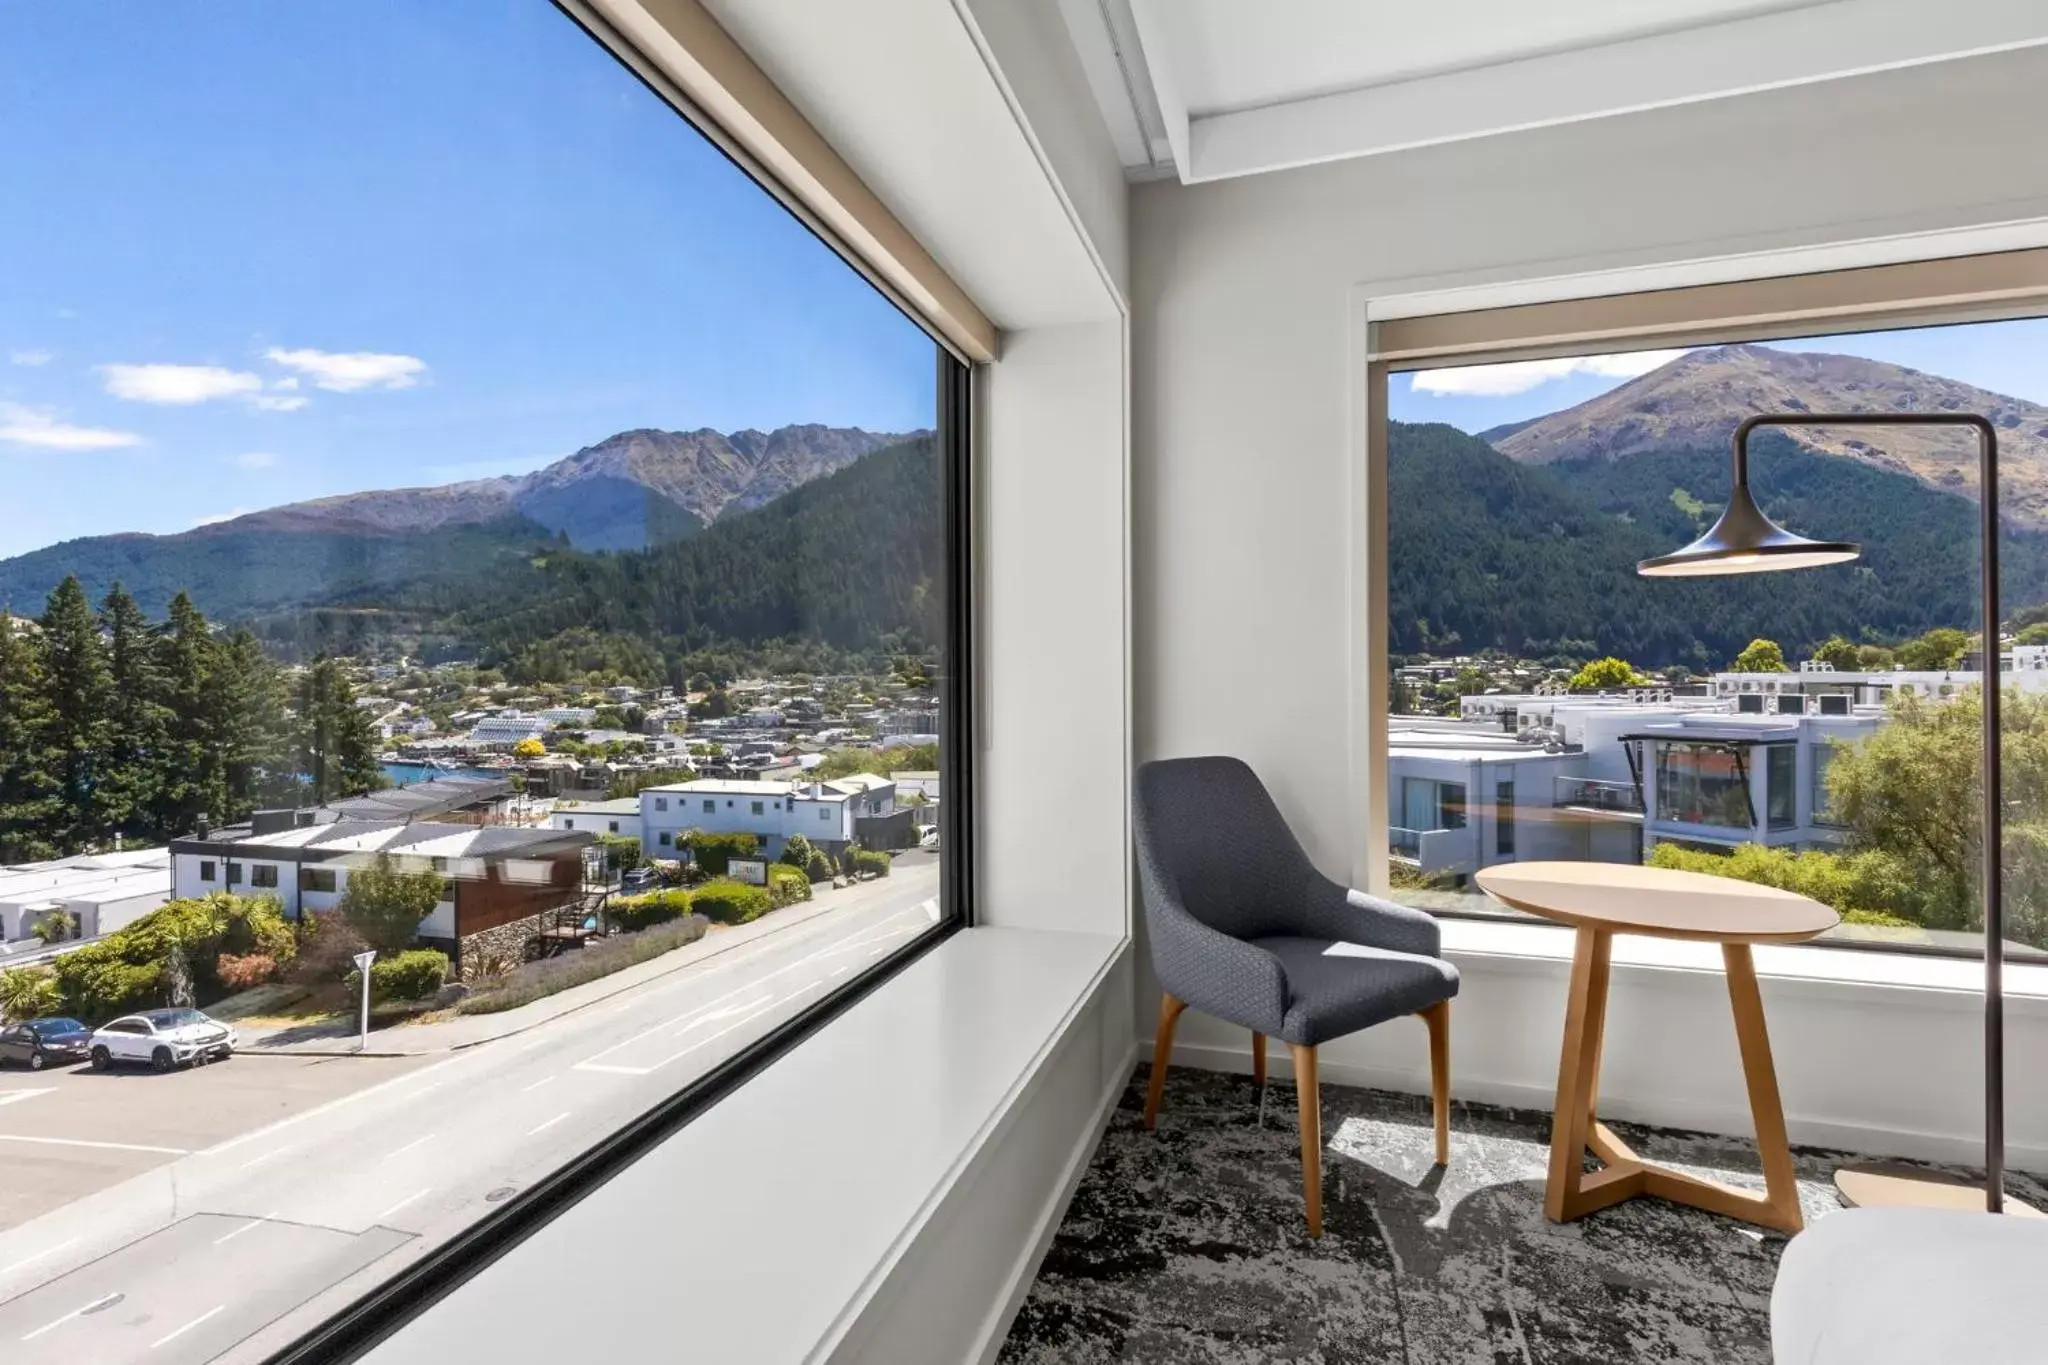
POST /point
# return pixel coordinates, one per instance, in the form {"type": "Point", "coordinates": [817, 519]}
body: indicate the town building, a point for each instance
{"type": "Point", "coordinates": [830, 815]}
{"type": "Point", "coordinates": [101, 892]}
{"type": "Point", "coordinates": [598, 817]}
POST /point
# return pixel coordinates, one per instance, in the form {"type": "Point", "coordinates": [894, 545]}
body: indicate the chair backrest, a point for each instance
{"type": "Point", "coordinates": [1209, 834]}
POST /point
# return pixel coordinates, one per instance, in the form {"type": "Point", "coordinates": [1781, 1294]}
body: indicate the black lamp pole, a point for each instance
{"type": "Point", "coordinates": [1746, 541]}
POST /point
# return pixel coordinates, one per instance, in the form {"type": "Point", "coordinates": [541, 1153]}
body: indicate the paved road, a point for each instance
{"type": "Point", "coordinates": [185, 1260]}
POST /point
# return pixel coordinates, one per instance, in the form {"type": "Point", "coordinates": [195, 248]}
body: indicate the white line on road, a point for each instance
{"type": "Point", "coordinates": [252, 1223]}
{"type": "Point", "coordinates": [173, 1336]}
{"type": "Point", "coordinates": [715, 1015]}
{"type": "Point", "coordinates": [45, 1253]}
{"type": "Point", "coordinates": [550, 1123]}
{"type": "Point", "coordinates": [78, 1312]}
{"type": "Point", "coordinates": [528, 1089]}
{"type": "Point", "coordinates": [418, 1141]}
{"type": "Point", "coordinates": [109, 1146]}
{"type": "Point", "coordinates": [270, 1155]}
{"type": "Point", "coordinates": [422, 1194]}
{"type": "Point", "coordinates": [12, 1096]}
{"type": "Point", "coordinates": [331, 1106]}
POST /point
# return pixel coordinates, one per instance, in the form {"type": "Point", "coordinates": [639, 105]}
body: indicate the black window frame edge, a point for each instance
{"type": "Point", "coordinates": [390, 1305]}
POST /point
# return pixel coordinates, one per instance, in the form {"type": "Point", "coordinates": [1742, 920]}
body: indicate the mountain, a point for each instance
{"type": "Point", "coordinates": [630, 491]}
{"type": "Point", "coordinates": [1696, 401]}
{"type": "Point", "coordinates": [1539, 559]}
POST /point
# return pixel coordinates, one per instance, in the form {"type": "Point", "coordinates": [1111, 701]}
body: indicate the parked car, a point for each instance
{"type": "Point", "coordinates": [45, 1042]}
{"type": "Point", "coordinates": [163, 1039]}
{"type": "Point", "coordinates": [638, 880]}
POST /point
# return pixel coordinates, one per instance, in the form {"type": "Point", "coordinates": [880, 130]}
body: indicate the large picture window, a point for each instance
{"type": "Point", "coordinates": [451, 489]}
{"type": "Point", "coordinates": [1818, 730]}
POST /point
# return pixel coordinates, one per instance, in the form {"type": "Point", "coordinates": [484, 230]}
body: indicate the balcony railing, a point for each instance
{"type": "Point", "coordinates": [1433, 850]}
{"type": "Point", "coordinates": [1593, 793]}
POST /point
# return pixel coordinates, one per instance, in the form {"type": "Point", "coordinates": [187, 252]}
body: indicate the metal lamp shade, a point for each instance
{"type": "Point", "coordinates": [1744, 540]}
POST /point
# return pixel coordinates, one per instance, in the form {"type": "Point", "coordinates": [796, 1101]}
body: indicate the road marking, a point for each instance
{"type": "Point", "coordinates": [409, 1146]}
{"type": "Point", "coordinates": [330, 1106]}
{"type": "Point", "coordinates": [716, 1015]}
{"type": "Point", "coordinates": [79, 1312]}
{"type": "Point", "coordinates": [529, 1089]}
{"type": "Point", "coordinates": [402, 1203]}
{"type": "Point", "coordinates": [550, 1123]}
{"type": "Point", "coordinates": [12, 1096]}
{"type": "Point", "coordinates": [109, 1146]}
{"type": "Point", "coordinates": [173, 1336]}
{"type": "Point", "coordinates": [45, 1253]}
{"type": "Point", "coordinates": [271, 1155]}
{"type": "Point", "coordinates": [252, 1223]}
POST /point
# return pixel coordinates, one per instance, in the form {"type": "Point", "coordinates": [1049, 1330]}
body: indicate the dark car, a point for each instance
{"type": "Point", "coordinates": [45, 1042]}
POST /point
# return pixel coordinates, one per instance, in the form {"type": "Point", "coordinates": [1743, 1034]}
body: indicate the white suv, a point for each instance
{"type": "Point", "coordinates": [162, 1039]}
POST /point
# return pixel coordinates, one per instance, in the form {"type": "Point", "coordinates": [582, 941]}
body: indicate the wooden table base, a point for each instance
{"type": "Point", "coordinates": [1571, 1192]}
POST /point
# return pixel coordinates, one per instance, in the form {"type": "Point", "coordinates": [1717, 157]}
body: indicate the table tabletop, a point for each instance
{"type": "Point", "coordinates": [1659, 902]}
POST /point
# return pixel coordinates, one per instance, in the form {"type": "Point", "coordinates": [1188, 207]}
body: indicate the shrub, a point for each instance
{"type": "Point", "coordinates": [730, 902]}
{"type": "Point", "coordinates": [99, 985]}
{"type": "Point", "coordinates": [327, 948]}
{"type": "Point", "coordinates": [796, 851]}
{"type": "Point", "coordinates": [787, 885]}
{"type": "Point", "coordinates": [634, 913]}
{"type": "Point", "coordinates": [713, 852]}
{"type": "Point", "coordinates": [411, 975]}
{"type": "Point", "coordinates": [244, 972]}
{"type": "Point", "coordinates": [28, 993]}
{"type": "Point", "coordinates": [385, 903]}
{"type": "Point", "coordinates": [820, 867]}
{"type": "Point", "coordinates": [55, 928]}
{"type": "Point", "coordinates": [870, 864]}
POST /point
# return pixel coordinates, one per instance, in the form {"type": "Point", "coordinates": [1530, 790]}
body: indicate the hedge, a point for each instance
{"type": "Point", "coordinates": [411, 975]}
{"type": "Point", "coordinates": [634, 913]}
{"type": "Point", "coordinates": [730, 902]}
{"type": "Point", "coordinates": [713, 852]}
{"type": "Point", "coordinates": [820, 866]}
{"type": "Point", "coordinates": [870, 864]}
{"type": "Point", "coordinates": [787, 885]}
{"type": "Point", "coordinates": [142, 965]}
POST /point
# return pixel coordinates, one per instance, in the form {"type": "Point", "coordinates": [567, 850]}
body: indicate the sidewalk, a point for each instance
{"type": "Point", "coordinates": [338, 1038]}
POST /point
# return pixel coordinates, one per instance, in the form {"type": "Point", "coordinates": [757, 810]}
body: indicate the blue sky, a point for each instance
{"type": "Point", "coordinates": [2010, 358]}
{"type": "Point", "coordinates": [254, 252]}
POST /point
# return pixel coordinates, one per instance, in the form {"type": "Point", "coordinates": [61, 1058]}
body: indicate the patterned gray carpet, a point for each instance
{"type": "Point", "coordinates": [1187, 1244]}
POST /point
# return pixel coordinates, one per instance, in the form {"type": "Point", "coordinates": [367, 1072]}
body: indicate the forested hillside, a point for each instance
{"type": "Point", "coordinates": [1540, 560]}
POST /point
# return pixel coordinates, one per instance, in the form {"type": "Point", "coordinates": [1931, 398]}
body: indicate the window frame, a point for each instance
{"type": "Point", "coordinates": [1978, 287]}
{"type": "Point", "coordinates": [390, 1304]}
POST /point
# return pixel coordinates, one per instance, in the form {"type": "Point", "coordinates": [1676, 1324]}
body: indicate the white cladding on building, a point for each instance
{"type": "Point", "coordinates": [825, 813]}
{"type": "Point", "coordinates": [101, 892]}
{"type": "Point", "coordinates": [598, 817]}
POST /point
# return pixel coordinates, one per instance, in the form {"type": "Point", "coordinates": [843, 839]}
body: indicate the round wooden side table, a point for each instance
{"type": "Point", "coordinates": [1600, 900]}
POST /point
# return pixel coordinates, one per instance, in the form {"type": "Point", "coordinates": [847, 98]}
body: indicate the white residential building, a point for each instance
{"type": "Point", "coordinates": [598, 817]}
{"type": "Point", "coordinates": [828, 814]}
{"type": "Point", "coordinates": [101, 892]}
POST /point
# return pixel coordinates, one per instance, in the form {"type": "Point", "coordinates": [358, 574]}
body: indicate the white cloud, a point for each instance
{"type": "Point", "coordinates": [1520, 376]}
{"type": "Point", "coordinates": [351, 371]}
{"type": "Point", "coordinates": [178, 385]}
{"type": "Point", "coordinates": [256, 459]}
{"type": "Point", "coordinates": [222, 516]}
{"type": "Point", "coordinates": [40, 428]}
{"type": "Point", "coordinates": [270, 402]}
{"type": "Point", "coordinates": [30, 357]}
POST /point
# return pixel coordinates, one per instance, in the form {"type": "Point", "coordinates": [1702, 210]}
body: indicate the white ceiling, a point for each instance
{"type": "Point", "coordinates": [1208, 89]}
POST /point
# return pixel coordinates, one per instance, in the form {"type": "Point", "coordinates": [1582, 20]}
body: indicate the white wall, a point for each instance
{"type": "Point", "coordinates": [1246, 298]}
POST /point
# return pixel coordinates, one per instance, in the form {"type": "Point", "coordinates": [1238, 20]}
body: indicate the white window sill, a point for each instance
{"type": "Point", "coordinates": [759, 1230]}
{"type": "Point", "coordinates": [1501, 944]}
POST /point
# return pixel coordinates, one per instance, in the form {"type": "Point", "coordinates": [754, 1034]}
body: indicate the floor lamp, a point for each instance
{"type": "Point", "coordinates": [1744, 540]}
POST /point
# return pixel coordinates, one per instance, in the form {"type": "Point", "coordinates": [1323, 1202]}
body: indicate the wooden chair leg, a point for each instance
{"type": "Point", "coordinates": [1438, 1017]}
{"type": "Point", "coordinates": [1259, 1059]}
{"type": "Point", "coordinates": [1310, 1099]}
{"type": "Point", "coordinates": [1162, 1051]}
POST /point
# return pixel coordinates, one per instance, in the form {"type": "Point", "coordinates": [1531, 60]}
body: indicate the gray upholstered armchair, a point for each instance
{"type": "Point", "coordinates": [1243, 927]}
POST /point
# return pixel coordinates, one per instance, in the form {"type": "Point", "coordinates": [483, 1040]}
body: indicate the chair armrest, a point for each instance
{"type": "Point", "coordinates": [1208, 969]}
{"type": "Point", "coordinates": [1339, 912]}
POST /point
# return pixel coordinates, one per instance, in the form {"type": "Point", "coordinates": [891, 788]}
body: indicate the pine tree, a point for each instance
{"type": "Point", "coordinates": [80, 694]}
{"type": "Point", "coordinates": [246, 704]}
{"type": "Point", "coordinates": [28, 800]}
{"type": "Point", "coordinates": [192, 780]}
{"type": "Point", "coordinates": [139, 717]}
{"type": "Point", "coordinates": [336, 740]}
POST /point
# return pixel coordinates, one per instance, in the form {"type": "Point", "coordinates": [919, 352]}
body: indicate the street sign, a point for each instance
{"type": "Point", "coordinates": [363, 961]}
{"type": "Point", "coordinates": [753, 871]}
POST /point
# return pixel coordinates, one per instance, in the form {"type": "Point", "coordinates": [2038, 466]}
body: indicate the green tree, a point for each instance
{"type": "Point", "coordinates": [796, 851]}
{"type": "Point", "coordinates": [140, 721]}
{"type": "Point", "coordinates": [1912, 790]}
{"type": "Point", "coordinates": [1603, 675]}
{"type": "Point", "coordinates": [192, 778]}
{"type": "Point", "coordinates": [28, 993]}
{"type": "Point", "coordinates": [29, 801]}
{"type": "Point", "coordinates": [385, 902]}
{"type": "Point", "coordinates": [81, 730]}
{"type": "Point", "coordinates": [1873, 658]}
{"type": "Point", "coordinates": [1939, 649]}
{"type": "Point", "coordinates": [2036, 634]}
{"type": "Point", "coordinates": [1762, 656]}
{"type": "Point", "coordinates": [1838, 653]}
{"type": "Point", "coordinates": [336, 739]}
